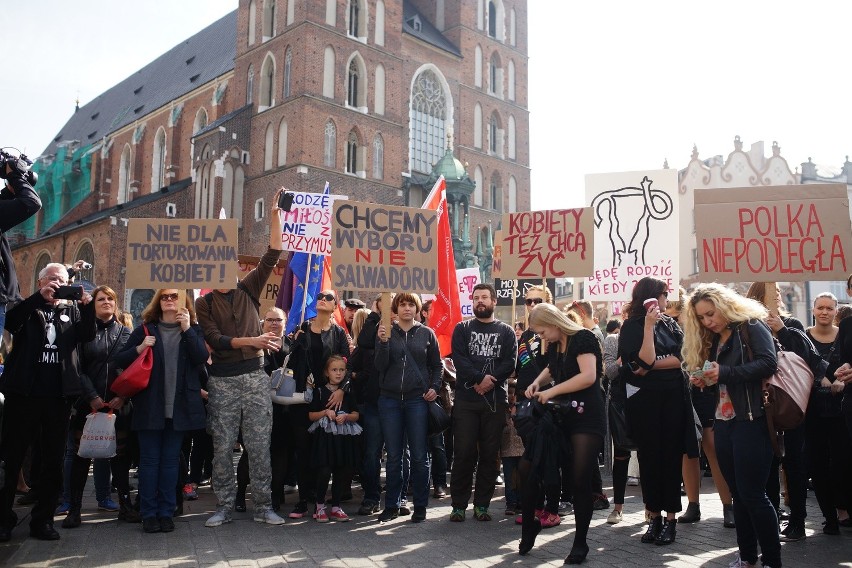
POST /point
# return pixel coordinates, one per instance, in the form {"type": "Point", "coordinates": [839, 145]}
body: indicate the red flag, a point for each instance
{"type": "Point", "coordinates": [446, 309]}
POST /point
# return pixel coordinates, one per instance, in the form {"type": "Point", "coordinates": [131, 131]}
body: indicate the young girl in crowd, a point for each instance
{"type": "Point", "coordinates": [335, 450]}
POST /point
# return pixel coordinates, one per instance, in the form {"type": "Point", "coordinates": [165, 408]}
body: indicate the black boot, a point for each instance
{"type": "Point", "coordinates": [72, 519]}
{"type": "Point", "coordinates": [655, 527]}
{"type": "Point", "coordinates": [530, 528]}
{"type": "Point", "coordinates": [691, 515]}
{"type": "Point", "coordinates": [240, 501]}
{"type": "Point", "coordinates": [667, 535]}
{"type": "Point", "coordinates": [126, 512]}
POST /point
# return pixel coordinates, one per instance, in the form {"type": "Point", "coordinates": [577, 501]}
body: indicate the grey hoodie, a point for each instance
{"type": "Point", "coordinates": [403, 376]}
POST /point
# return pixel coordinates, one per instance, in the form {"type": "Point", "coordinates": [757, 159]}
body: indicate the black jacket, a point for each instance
{"type": "Point", "coordinates": [109, 341]}
{"type": "Point", "coordinates": [26, 322]}
{"type": "Point", "coordinates": [745, 360]}
{"type": "Point", "coordinates": [15, 208]}
{"type": "Point", "coordinates": [334, 343]}
{"type": "Point", "coordinates": [408, 377]}
{"type": "Point", "coordinates": [365, 377]}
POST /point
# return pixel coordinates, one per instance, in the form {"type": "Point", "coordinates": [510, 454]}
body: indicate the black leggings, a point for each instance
{"type": "Point", "coordinates": [339, 483]}
{"type": "Point", "coordinates": [585, 450]}
{"type": "Point", "coordinates": [619, 474]}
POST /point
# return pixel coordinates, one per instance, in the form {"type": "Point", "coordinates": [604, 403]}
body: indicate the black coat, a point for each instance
{"type": "Point", "coordinates": [334, 343]}
{"type": "Point", "coordinates": [15, 208]}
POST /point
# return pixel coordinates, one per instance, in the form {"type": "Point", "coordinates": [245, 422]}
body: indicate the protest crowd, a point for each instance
{"type": "Point", "coordinates": [318, 394]}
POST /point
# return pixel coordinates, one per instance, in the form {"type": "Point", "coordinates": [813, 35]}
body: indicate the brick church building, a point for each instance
{"type": "Point", "coordinates": [366, 94]}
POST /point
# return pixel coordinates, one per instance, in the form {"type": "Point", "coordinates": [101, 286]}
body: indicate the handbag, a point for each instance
{"type": "Point", "coordinates": [134, 379]}
{"type": "Point", "coordinates": [98, 439]}
{"type": "Point", "coordinates": [786, 393]}
{"type": "Point", "coordinates": [438, 418]}
{"type": "Point", "coordinates": [618, 427]}
{"type": "Point", "coordinates": [283, 385]}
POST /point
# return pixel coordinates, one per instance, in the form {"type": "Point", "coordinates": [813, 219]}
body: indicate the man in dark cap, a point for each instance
{"type": "Point", "coordinates": [351, 306]}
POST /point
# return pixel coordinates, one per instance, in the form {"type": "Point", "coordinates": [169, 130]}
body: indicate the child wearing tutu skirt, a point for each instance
{"type": "Point", "coordinates": [334, 447]}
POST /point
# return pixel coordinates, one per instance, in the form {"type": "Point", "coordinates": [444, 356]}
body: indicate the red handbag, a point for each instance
{"type": "Point", "coordinates": [134, 379]}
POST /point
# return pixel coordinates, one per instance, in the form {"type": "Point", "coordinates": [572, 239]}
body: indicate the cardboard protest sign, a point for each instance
{"type": "Point", "coordinates": [497, 255]}
{"type": "Point", "coordinates": [467, 279]}
{"type": "Point", "coordinates": [181, 253]}
{"type": "Point", "coordinates": [307, 226]}
{"type": "Point", "coordinates": [788, 233]}
{"type": "Point", "coordinates": [270, 290]}
{"type": "Point", "coordinates": [504, 289]}
{"type": "Point", "coordinates": [383, 248]}
{"type": "Point", "coordinates": [546, 244]}
{"type": "Point", "coordinates": [636, 232]}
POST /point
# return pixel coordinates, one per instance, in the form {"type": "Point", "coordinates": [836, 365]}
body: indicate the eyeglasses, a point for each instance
{"type": "Point", "coordinates": [326, 297]}
{"type": "Point", "coordinates": [273, 320]}
{"type": "Point", "coordinates": [533, 301]}
{"type": "Point", "coordinates": [168, 297]}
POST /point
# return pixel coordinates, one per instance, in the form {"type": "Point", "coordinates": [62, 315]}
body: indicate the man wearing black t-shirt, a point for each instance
{"type": "Point", "coordinates": [40, 380]}
{"type": "Point", "coordinates": [484, 353]}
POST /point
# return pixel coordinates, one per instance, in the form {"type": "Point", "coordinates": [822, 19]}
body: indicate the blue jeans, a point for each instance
{"type": "Point", "coordinates": [745, 456]}
{"type": "Point", "coordinates": [373, 442]}
{"type": "Point", "coordinates": [101, 473]}
{"type": "Point", "coordinates": [439, 460]}
{"type": "Point", "coordinates": [510, 465]}
{"type": "Point", "coordinates": [401, 420]}
{"type": "Point", "coordinates": [159, 456]}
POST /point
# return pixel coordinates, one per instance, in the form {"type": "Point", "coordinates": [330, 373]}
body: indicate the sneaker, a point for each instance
{"type": "Point", "coordinates": [565, 508]}
{"type": "Point", "coordinates": [388, 514]}
{"type": "Point", "coordinates": [337, 514]}
{"type": "Point", "coordinates": [108, 505]}
{"type": "Point", "coordinates": [615, 517]}
{"type": "Point", "coordinates": [549, 519]}
{"type": "Point", "coordinates": [481, 513]}
{"type": "Point", "coordinates": [368, 508]}
{"type": "Point", "coordinates": [600, 503]}
{"type": "Point", "coordinates": [220, 517]}
{"type": "Point", "coordinates": [404, 511]}
{"type": "Point", "coordinates": [63, 508]}
{"type": "Point", "coordinates": [499, 480]}
{"type": "Point", "coordinates": [439, 492]}
{"type": "Point", "coordinates": [321, 516]}
{"type": "Point", "coordinates": [268, 516]}
{"type": "Point", "coordinates": [457, 515]}
{"type": "Point", "coordinates": [299, 511]}
{"type": "Point", "coordinates": [793, 532]}
{"type": "Point", "coordinates": [739, 563]}
{"type": "Point", "coordinates": [632, 480]}
{"type": "Point", "coordinates": [519, 520]}
{"type": "Point", "coordinates": [190, 493]}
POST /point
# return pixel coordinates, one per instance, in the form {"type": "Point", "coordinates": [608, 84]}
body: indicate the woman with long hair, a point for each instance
{"type": "Point", "coordinates": [658, 409]}
{"type": "Point", "coordinates": [171, 404]}
{"type": "Point", "coordinates": [95, 355]}
{"type": "Point", "coordinates": [727, 343]}
{"type": "Point", "coordinates": [574, 363]}
{"type": "Point", "coordinates": [828, 443]}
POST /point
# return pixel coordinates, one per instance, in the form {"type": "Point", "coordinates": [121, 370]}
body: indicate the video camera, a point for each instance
{"type": "Point", "coordinates": [20, 164]}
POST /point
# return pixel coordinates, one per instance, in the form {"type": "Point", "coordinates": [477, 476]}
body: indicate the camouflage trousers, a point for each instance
{"type": "Point", "coordinates": [242, 400]}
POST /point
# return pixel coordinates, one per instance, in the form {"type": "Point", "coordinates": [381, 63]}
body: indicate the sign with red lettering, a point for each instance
{"type": "Point", "coordinates": [467, 279]}
{"type": "Point", "coordinates": [789, 233]}
{"type": "Point", "coordinates": [546, 244]}
{"type": "Point", "coordinates": [307, 226]}
{"type": "Point", "coordinates": [636, 229]}
{"type": "Point", "coordinates": [382, 248]}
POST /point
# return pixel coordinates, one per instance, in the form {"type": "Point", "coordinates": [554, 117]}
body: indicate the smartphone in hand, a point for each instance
{"type": "Point", "coordinates": [69, 293]}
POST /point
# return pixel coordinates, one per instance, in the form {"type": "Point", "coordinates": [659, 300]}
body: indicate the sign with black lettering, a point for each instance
{"type": "Point", "coordinates": [547, 244]}
{"type": "Point", "coordinates": [790, 233]}
{"type": "Point", "coordinates": [307, 226]}
{"type": "Point", "coordinates": [181, 253]}
{"type": "Point", "coordinates": [382, 248]}
{"type": "Point", "coordinates": [505, 288]}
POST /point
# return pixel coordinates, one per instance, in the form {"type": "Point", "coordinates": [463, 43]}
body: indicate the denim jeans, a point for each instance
{"type": "Point", "coordinates": [401, 420]}
{"type": "Point", "coordinates": [373, 442]}
{"type": "Point", "coordinates": [439, 460]}
{"type": "Point", "coordinates": [159, 455]}
{"type": "Point", "coordinates": [510, 465]}
{"type": "Point", "coordinates": [745, 456]}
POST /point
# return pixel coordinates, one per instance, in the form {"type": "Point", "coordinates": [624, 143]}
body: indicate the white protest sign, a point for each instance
{"type": "Point", "coordinates": [307, 226]}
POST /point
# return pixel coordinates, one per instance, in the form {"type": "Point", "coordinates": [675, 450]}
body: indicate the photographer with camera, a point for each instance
{"type": "Point", "coordinates": [18, 202]}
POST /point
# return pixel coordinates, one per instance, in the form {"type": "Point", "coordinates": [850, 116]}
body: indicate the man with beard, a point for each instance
{"type": "Point", "coordinates": [484, 353]}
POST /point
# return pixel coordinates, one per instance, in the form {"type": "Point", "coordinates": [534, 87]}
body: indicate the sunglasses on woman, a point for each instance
{"type": "Point", "coordinates": [326, 297]}
{"type": "Point", "coordinates": [168, 298]}
{"type": "Point", "coordinates": [533, 301]}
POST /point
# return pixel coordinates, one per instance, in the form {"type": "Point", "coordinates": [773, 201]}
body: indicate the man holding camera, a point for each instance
{"type": "Point", "coordinates": [40, 379]}
{"type": "Point", "coordinates": [18, 202]}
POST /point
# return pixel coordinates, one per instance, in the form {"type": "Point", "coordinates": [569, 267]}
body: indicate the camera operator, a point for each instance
{"type": "Point", "coordinates": [18, 202]}
{"type": "Point", "coordinates": [41, 378]}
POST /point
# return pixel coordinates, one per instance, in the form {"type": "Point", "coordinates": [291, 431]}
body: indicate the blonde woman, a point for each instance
{"type": "Point", "coordinates": [727, 331]}
{"type": "Point", "coordinates": [575, 365]}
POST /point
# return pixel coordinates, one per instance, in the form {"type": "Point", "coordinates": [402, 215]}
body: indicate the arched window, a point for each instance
{"type": "Point", "coordinates": [291, 11]}
{"type": "Point", "coordinates": [511, 137]}
{"type": "Point", "coordinates": [380, 22]}
{"type": "Point", "coordinates": [282, 143]}
{"type": "Point", "coordinates": [268, 143]}
{"type": "Point", "coordinates": [495, 135]}
{"type": "Point", "coordinates": [439, 15]}
{"type": "Point", "coordinates": [379, 90]}
{"type": "Point", "coordinates": [496, 20]}
{"type": "Point", "coordinates": [492, 19]}
{"type": "Point", "coordinates": [477, 126]}
{"type": "Point", "coordinates": [288, 70]}
{"type": "Point", "coordinates": [330, 147]}
{"type": "Point", "coordinates": [124, 175]}
{"type": "Point", "coordinates": [228, 190]}
{"type": "Point", "coordinates": [86, 253]}
{"type": "Point", "coordinates": [42, 261]}
{"type": "Point", "coordinates": [513, 195]}
{"type": "Point", "coordinates": [513, 27]}
{"type": "Point", "coordinates": [267, 82]}
{"type": "Point", "coordinates": [200, 120]}
{"type": "Point", "coordinates": [331, 12]}
{"type": "Point", "coordinates": [352, 153]}
{"type": "Point", "coordinates": [252, 18]}
{"type": "Point", "coordinates": [477, 191]}
{"type": "Point", "coordinates": [511, 80]}
{"type": "Point", "coordinates": [496, 194]}
{"type": "Point", "coordinates": [158, 165]}
{"type": "Point", "coordinates": [250, 85]}
{"type": "Point", "coordinates": [268, 19]}
{"type": "Point", "coordinates": [356, 19]}
{"type": "Point", "coordinates": [378, 157]}
{"type": "Point", "coordinates": [477, 67]}
{"type": "Point", "coordinates": [352, 84]}
{"type": "Point", "coordinates": [495, 76]}
{"type": "Point", "coordinates": [430, 116]}
{"type": "Point", "coordinates": [328, 73]}
{"type": "Point", "coordinates": [480, 14]}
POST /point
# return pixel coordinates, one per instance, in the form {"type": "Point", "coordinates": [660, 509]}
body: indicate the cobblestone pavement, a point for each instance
{"type": "Point", "coordinates": [363, 542]}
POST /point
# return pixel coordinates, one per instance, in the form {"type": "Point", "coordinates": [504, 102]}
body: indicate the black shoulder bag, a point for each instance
{"type": "Point", "coordinates": [439, 420]}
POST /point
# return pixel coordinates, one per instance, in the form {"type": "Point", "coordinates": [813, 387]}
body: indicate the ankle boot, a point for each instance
{"type": "Point", "coordinates": [72, 519]}
{"type": "Point", "coordinates": [691, 515]}
{"type": "Point", "coordinates": [126, 512]}
{"type": "Point", "coordinates": [655, 526]}
{"type": "Point", "coordinates": [667, 535]}
{"type": "Point", "coordinates": [728, 517]}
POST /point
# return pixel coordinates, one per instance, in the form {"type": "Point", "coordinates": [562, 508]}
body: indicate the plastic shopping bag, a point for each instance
{"type": "Point", "coordinates": [98, 440]}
